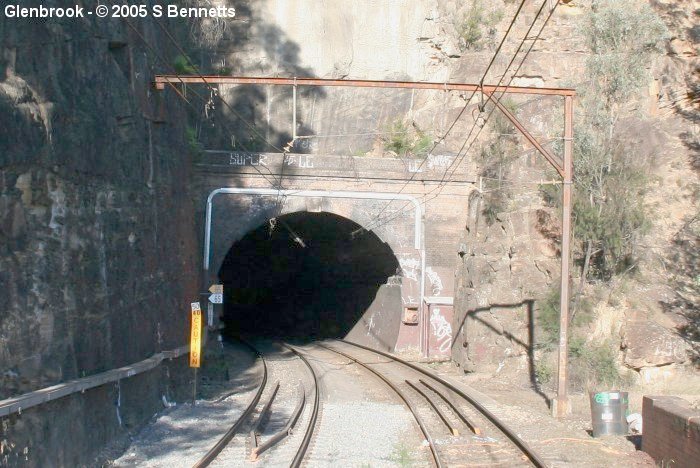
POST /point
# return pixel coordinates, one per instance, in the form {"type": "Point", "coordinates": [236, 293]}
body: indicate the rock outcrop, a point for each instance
{"type": "Point", "coordinates": [97, 240]}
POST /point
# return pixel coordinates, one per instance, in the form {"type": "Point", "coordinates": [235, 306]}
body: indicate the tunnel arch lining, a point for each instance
{"type": "Point", "coordinates": [418, 224]}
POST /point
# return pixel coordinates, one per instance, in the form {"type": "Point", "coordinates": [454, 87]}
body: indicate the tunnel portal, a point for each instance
{"type": "Point", "coordinates": [303, 276]}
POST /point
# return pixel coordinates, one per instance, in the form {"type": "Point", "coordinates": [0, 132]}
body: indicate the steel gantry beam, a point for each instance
{"type": "Point", "coordinates": [564, 167]}
{"type": "Point", "coordinates": [162, 80]}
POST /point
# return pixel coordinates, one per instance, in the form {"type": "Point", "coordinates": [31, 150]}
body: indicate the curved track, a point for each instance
{"type": "Point", "coordinates": [237, 426]}
{"type": "Point", "coordinates": [533, 457]}
{"type": "Point", "coordinates": [211, 455]}
{"type": "Point", "coordinates": [423, 394]}
{"type": "Point", "coordinates": [299, 457]}
{"type": "Point", "coordinates": [402, 396]}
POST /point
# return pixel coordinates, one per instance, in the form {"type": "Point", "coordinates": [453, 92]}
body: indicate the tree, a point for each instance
{"type": "Point", "coordinates": [610, 177]}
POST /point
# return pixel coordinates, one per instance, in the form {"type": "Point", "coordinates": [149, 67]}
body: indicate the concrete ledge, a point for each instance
{"type": "Point", "coordinates": [671, 431]}
{"type": "Point", "coordinates": [433, 167]}
{"type": "Point", "coordinates": [38, 397]}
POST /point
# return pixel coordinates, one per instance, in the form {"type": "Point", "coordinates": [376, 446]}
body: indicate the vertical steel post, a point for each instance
{"type": "Point", "coordinates": [424, 330]}
{"type": "Point", "coordinates": [294, 112]}
{"type": "Point", "coordinates": [194, 391]}
{"type": "Point", "coordinates": [561, 405]}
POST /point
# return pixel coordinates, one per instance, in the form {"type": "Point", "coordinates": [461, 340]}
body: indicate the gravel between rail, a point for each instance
{"type": "Point", "coordinates": [361, 422]}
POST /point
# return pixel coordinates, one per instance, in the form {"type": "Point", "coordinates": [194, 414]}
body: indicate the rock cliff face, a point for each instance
{"type": "Point", "coordinates": [97, 239]}
{"type": "Point", "coordinates": [515, 259]}
{"type": "Point", "coordinates": [508, 264]}
{"type": "Point", "coordinates": [96, 235]}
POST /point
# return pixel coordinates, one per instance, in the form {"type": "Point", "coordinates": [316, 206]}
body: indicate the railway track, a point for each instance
{"type": "Point", "coordinates": [272, 407]}
{"type": "Point", "coordinates": [456, 428]}
{"type": "Point", "coordinates": [433, 401]}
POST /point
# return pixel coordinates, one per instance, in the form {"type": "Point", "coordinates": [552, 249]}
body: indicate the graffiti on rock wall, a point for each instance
{"type": "Point", "coordinates": [305, 144]}
{"type": "Point", "coordinates": [442, 330]}
{"type": "Point", "coordinates": [433, 161]}
{"type": "Point", "coordinates": [299, 160]}
{"type": "Point", "coordinates": [247, 159]}
{"type": "Point", "coordinates": [439, 161]}
{"type": "Point", "coordinates": [415, 166]}
{"type": "Point", "coordinates": [409, 300]}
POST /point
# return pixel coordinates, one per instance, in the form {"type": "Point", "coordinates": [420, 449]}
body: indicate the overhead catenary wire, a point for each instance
{"type": "Point", "coordinates": [445, 135]}
{"type": "Point", "coordinates": [373, 224]}
{"type": "Point", "coordinates": [162, 60]}
{"type": "Point", "coordinates": [223, 101]}
{"type": "Point", "coordinates": [438, 188]}
{"type": "Point", "coordinates": [167, 64]}
{"type": "Point", "coordinates": [498, 100]}
{"type": "Point", "coordinates": [461, 112]}
{"type": "Point", "coordinates": [279, 201]}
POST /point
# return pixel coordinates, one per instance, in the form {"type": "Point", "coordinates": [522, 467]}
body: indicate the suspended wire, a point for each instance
{"type": "Point", "coordinates": [458, 159]}
{"type": "Point", "coordinates": [224, 102]}
{"type": "Point", "coordinates": [167, 64]}
{"type": "Point", "coordinates": [461, 112]}
{"type": "Point", "coordinates": [440, 187]}
{"type": "Point", "coordinates": [279, 202]}
{"type": "Point", "coordinates": [442, 184]}
{"type": "Point", "coordinates": [280, 199]}
{"type": "Point", "coordinates": [512, 77]}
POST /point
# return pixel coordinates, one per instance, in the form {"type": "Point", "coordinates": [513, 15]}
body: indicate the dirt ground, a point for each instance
{"type": "Point", "coordinates": [566, 442]}
{"type": "Point", "coordinates": [231, 375]}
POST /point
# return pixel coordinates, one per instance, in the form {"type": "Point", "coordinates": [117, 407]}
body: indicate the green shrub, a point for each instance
{"type": "Point", "coordinates": [496, 159]}
{"type": "Point", "coordinates": [399, 140]}
{"type": "Point", "coordinates": [407, 142]}
{"type": "Point", "coordinates": [594, 366]}
{"type": "Point", "coordinates": [422, 146]}
{"type": "Point", "coordinates": [548, 316]}
{"type": "Point", "coordinates": [492, 206]}
{"type": "Point", "coordinates": [478, 25]}
{"type": "Point", "coordinates": [402, 455]}
{"type": "Point", "coordinates": [224, 71]}
{"type": "Point", "coordinates": [622, 36]}
{"type": "Point", "coordinates": [612, 177]}
{"type": "Point", "coordinates": [543, 372]}
{"type": "Point", "coordinates": [182, 66]}
{"type": "Point", "coordinates": [195, 147]}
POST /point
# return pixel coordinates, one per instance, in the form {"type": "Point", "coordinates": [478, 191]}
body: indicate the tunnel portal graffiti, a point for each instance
{"type": "Point", "coordinates": [410, 267]}
{"type": "Point", "coordinates": [435, 281]}
{"type": "Point", "coordinates": [442, 331]}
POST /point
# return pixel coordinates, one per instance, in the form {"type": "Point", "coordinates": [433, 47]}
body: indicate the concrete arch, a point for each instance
{"type": "Point", "coordinates": [263, 204]}
{"type": "Point", "coordinates": [229, 218]}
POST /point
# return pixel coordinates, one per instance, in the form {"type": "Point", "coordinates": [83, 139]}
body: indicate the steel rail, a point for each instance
{"type": "Point", "coordinates": [286, 431]}
{"type": "Point", "coordinates": [424, 430]}
{"type": "Point", "coordinates": [306, 441]}
{"type": "Point", "coordinates": [454, 408]}
{"type": "Point", "coordinates": [261, 417]}
{"type": "Point", "coordinates": [521, 444]}
{"type": "Point", "coordinates": [211, 455]}
{"type": "Point", "coordinates": [453, 430]}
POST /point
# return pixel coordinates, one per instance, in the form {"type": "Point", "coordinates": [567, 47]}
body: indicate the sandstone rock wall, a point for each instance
{"type": "Point", "coordinates": [96, 233]}
{"type": "Point", "coordinates": [506, 267]}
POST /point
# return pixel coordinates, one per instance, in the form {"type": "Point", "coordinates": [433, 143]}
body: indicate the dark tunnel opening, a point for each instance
{"type": "Point", "coordinates": [304, 278]}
